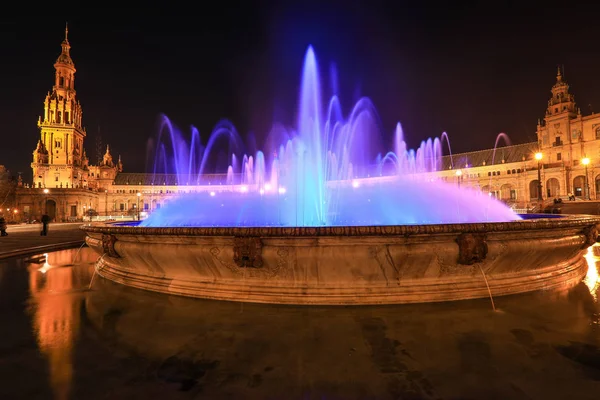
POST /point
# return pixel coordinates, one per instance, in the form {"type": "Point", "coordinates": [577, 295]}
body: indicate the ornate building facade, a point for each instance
{"type": "Point", "coordinates": [64, 183]}
{"type": "Point", "coordinates": [568, 144]}
{"type": "Point", "coordinates": [67, 187]}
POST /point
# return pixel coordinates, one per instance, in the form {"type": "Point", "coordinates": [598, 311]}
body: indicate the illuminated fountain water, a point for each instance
{"type": "Point", "coordinates": [323, 173]}
{"type": "Point", "coordinates": [314, 220]}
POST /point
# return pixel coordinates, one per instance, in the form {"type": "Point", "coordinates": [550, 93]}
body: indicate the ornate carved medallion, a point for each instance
{"type": "Point", "coordinates": [472, 248]}
{"type": "Point", "coordinates": [247, 252]}
{"type": "Point", "coordinates": [591, 235]}
{"type": "Point", "coordinates": [108, 245]}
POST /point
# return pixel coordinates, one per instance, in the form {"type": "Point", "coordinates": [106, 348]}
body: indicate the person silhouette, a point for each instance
{"type": "Point", "coordinates": [3, 226]}
{"type": "Point", "coordinates": [45, 222]}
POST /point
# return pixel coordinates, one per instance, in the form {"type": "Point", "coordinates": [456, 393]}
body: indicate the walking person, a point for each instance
{"type": "Point", "coordinates": [3, 226]}
{"type": "Point", "coordinates": [45, 222]}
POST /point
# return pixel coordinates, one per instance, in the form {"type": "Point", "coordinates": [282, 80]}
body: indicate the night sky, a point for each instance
{"type": "Point", "coordinates": [472, 70]}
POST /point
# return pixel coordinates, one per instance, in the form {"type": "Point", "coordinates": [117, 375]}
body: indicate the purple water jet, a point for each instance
{"type": "Point", "coordinates": [325, 172]}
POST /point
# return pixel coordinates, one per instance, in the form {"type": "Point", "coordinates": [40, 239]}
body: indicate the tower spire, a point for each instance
{"type": "Point", "coordinates": [65, 57]}
{"type": "Point", "coordinates": [558, 75]}
{"type": "Point", "coordinates": [561, 101]}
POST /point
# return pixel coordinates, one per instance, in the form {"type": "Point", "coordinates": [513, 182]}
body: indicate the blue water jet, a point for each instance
{"type": "Point", "coordinates": [323, 172]}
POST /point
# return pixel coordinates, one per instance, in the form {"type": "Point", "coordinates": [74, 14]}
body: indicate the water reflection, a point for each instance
{"type": "Point", "coordinates": [126, 343]}
{"type": "Point", "coordinates": [592, 280]}
{"type": "Point", "coordinates": [56, 300]}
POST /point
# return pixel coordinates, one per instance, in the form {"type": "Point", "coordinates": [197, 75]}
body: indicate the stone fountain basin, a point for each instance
{"type": "Point", "coordinates": [348, 265]}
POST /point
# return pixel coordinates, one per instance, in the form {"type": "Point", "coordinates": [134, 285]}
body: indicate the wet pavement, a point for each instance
{"type": "Point", "coordinates": [25, 239]}
{"type": "Point", "coordinates": [63, 340]}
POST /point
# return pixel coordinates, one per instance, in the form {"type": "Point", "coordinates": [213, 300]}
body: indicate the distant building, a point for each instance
{"type": "Point", "coordinates": [67, 187]}
{"type": "Point", "coordinates": [566, 140]}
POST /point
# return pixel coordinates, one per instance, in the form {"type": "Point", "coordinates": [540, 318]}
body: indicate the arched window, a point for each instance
{"type": "Point", "coordinates": [61, 81]}
{"type": "Point", "coordinates": [598, 132]}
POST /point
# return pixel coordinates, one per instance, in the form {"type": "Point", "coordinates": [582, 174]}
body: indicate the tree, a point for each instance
{"type": "Point", "coordinates": [8, 187]}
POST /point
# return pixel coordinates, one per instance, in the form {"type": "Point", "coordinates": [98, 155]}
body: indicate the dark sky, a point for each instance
{"type": "Point", "coordinates": [473, 70]}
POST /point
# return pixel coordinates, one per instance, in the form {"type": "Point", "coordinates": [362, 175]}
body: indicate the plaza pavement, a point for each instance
{"type": "Point", "coordinates": [25, 239]}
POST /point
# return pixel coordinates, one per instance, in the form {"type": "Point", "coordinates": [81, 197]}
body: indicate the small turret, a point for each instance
{"type": "Point", "coordinates": [40, 154]}
{"type": "Point", "coordinates": [84, 160]}
{"type": "Point", "coordinates": [107, 160]}
{"type": "Point", "coordinates": [561, 101]}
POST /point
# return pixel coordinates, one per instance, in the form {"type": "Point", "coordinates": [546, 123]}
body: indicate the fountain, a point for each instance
{"type": "Point", "coordinates": [321, 218]}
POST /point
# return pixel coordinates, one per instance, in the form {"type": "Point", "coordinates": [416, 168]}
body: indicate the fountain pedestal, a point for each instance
{"type": "Point", "coordinates": [348, 265]}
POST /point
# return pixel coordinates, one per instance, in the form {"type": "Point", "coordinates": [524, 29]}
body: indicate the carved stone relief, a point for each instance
{"type": "Point", "coordinates": [591, 235]}
{"type": "Point", "coordinates": [248, 262]}
{"type": "Point", "coordinates": [108, 245]}
{"type": "Point", "coordinates": [472, 248]}
{"type": "Point", "coordinates": [247, 252]}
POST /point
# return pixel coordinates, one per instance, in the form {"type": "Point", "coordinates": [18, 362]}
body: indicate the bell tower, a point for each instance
{"type": "Point", "coordinates": [562, 102]}
{"type": "Point", "coordinates": [59, 160]}
{"type": "Point", "coordinates": [554, 130]}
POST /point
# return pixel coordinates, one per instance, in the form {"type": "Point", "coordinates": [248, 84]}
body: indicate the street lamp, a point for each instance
{"type": "Point", "coordinates": [538, 157]}
{"type": "Point", "coordinates": [46, 201]}
{"type": "Point", "coordinates": [458, 175]}
{"type": "Point", "coordinates": [138, 205]}
{"type": "Point", "coordinates": [585, 161]}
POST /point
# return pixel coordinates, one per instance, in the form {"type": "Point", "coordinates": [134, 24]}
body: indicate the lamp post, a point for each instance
{"type": "Point", "coordinates": [585, 161]}
{"type": "Point", "coordinates": [46, 201]}
{"type": "Point", "coordinates": [138, 205]}
{"type": "Point", "coordinates": [458, 176]}
{"type": "Point", "coordinates": [538, 157]}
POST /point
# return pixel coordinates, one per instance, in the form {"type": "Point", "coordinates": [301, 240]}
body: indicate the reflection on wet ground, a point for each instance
{"type": "Point", "coordinates": [60, 339]}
